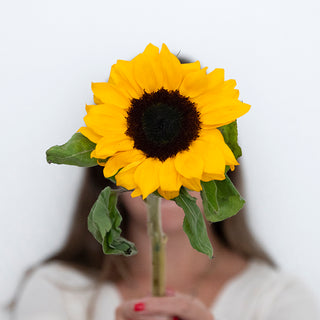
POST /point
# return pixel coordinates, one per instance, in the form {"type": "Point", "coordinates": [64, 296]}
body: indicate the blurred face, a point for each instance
{"type": "Point", "coordinates": [171, 215]}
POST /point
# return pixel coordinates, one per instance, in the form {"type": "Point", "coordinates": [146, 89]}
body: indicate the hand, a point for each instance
{"type": "Point", "coordinates": [179, 306]}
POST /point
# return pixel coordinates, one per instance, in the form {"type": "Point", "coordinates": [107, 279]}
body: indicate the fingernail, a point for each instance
{"type": "Point", "coordinates": [176, 318]}
{"type": "Point", "coordinates": [139, 306]}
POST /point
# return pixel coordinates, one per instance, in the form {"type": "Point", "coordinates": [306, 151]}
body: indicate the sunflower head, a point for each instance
{"type": "Point", "coordinates": [156, 122]}
{"type": "Point", "coordinates": [160, 126]}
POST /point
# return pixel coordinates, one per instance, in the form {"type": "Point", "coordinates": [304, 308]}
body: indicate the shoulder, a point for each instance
{"type": "Point", "coordinates": [59, 273]}
{"type": "Point", "coordinates": [263, 292]}
{"type": "Point", "coordinates": [58, 291]}
{"type": "Point", "coordinates": [48, 289]}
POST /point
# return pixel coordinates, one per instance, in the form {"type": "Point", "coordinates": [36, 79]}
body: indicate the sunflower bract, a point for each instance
{"type": "Point", "coordinates": [156, 121]}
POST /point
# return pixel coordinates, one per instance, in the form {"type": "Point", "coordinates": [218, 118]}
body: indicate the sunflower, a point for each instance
{"type": "Point", "coordinates": [156, 123]}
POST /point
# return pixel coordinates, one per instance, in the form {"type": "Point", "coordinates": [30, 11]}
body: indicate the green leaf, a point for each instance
{"type": "Point", "coordinates": [230, 135]}
{"type": "Point", "coordinates": [193, 224]}
{"type": "Point", "coordinates": [209, 199]}
{"type": "Point", "coordinates": [221, 200]}
{"type": "Point", "coordinates": [75, 152]}
{"type": "Point", "coordinates": [104, 223]}
{"type": "Point", "coordinates": [99, 221]}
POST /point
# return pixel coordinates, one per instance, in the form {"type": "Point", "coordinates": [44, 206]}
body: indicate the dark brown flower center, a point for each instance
{"type": "Point", "coordinates": [162, 123]}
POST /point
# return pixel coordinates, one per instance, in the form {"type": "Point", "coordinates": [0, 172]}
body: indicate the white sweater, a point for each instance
{"type": "Point", "coordinates": [56, 292]}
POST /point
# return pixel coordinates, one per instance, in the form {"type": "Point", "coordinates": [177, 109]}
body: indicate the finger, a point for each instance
{"type": "Point", "coordinates": [125, 309]}
{"type": "Point", "coordinates": [132, 310]}
{"type": "Point", "coordinates": [181, 306]}
{"type": "Point", "coordinates": [170, 292]}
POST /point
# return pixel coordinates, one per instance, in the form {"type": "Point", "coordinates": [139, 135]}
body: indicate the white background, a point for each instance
{"type": "Point", "coordinates": [51, 51]}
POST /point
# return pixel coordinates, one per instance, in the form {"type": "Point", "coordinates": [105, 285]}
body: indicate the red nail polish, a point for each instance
{"type": "Point", "coordinates": [176, 318]}
{"type": "Point", "coordinates": [139, 306]}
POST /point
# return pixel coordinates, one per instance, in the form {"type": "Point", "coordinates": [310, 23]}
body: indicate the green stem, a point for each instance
{"type": "Point", "coordinates": [158, 245]}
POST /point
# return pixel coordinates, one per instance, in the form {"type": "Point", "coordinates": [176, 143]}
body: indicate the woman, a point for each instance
{"type": "Point", "coordinates": [239, 283]}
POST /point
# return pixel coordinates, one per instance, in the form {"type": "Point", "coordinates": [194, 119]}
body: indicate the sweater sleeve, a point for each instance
{"type": "Point", "coordinates": [54, 292]}
{"type": "Point", "coordinates": [294, 301]}
{"type": "Point", "coordinates": [39, 299]}
{"type": "Point", "coordinates": [264, 293]}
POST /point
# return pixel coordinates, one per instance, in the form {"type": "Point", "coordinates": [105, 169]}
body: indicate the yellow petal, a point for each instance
{"type": "Point", "coordinates": [217, 85]}
{"type": "Point", "coordinates": [169, 177]}
{"type": "Point", "coordinates": [188, 164]}
{"type": "Point", "coordinates": [107, 93]}
{"type": "Point", "coordinates": [214, 137]}
{"type": "Point", "coordinates": [211, 176]}
{"type": "Point", "coordinates": [105, 119]}
{"type": "Point", "coordinates": [136, 192]}
{"type": "Point", "coordinates": [236, 94]}
{"type": "Point", "coordinates": [229, 157]}
{"type": "Point", "coordinates": [223, 89]}
{"type": "Point", "coordinates": [172, 69]}
{"type": "Point", "coordinates": [227, 86]}
{"type": "Point", "coordinates": [147, 69]}
{"type": "Point", "coordinates": [125, 177]}
{"type": "Point", "coordinates": [194, 83]}
{"type": "Point", "coordinates": [120, 160]}
{"type": "Point", "coordinates": [107, 109]}
{"type": "Point", "coordinates": [168, 194]}
{"type": "Point", "coordinates": [111, 144]}
{"type": "Point", "coordinates": [214, 161]}
{"type": "Point", "coordinates": [146, 176]}
{"type": "Point", "coordinates": [122, 75]}
{"type": "Point", "coordinates": [90, 134]}
{"type": "Point", "coordinates": [191, 184]}
{"type": "Point", "coordinates": [215, 78]}
{"type": "Point", "coordinates": [212, 156]}
{"type": "Point", "coordinates": [225, 112]}
{"type": "Point", "coordinates": [218, 93]}
{"type": "Point", "coordinates": [190, 67]}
